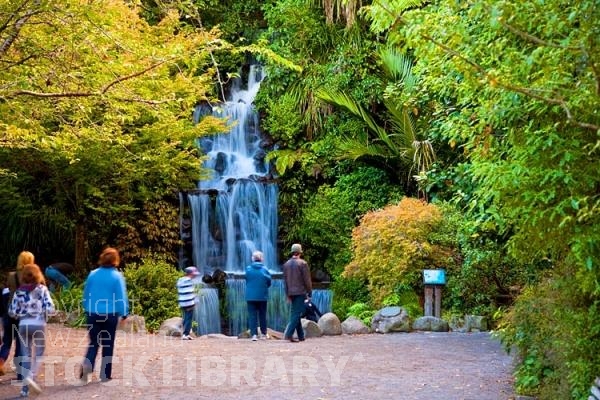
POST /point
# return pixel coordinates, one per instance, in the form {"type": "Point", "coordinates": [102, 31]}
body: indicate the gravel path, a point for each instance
{"type": "Point", "coordinates": [413, 366]}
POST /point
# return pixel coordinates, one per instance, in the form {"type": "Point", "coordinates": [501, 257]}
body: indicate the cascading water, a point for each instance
{"type": "Point", "coordinates": [234, 212]}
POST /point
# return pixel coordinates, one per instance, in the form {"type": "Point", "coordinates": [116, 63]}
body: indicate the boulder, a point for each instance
{"type": "Point", "coordinates": [330, 324]}
{"type": "Point", "coordinates": [354, 326]}
{"type": "Point", "coordinates": [133, 324]}
{"type": "Point", "coordinates": [470, 323]}
{"type": "Point", "coordinates": [311, 328]}
{"type": "Point", "coordinates": [391, 319]}
{"type": "Point", "coordinates": [273, 334]}
{"type": "Point", "coordinates": [430, 323]}
{"type": "Point", "coordinates": [171, 327]}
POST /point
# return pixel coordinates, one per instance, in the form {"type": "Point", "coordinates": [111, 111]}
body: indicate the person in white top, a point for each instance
{"type": "Point", "coordinates": [186, 296]}
{"type": "Point", "coordinates": [31, 305]}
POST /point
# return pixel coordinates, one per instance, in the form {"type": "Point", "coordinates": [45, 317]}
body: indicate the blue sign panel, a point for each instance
{"type": "Point", "coordinates": [434, 276]}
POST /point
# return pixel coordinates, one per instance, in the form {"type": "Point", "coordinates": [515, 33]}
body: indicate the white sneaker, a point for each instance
{"type": "Point", "coordinates": [33, 386]}
{"type": "Point", "coordinates": [254, 338]}
{"type": "Point", "coordinates": [186, 337]}
{"type": "Point", "coordinates": [264, 337]}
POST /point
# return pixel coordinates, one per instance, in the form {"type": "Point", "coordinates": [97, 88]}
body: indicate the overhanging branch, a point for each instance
{"type": "Point", "coordinates": [513, 88]}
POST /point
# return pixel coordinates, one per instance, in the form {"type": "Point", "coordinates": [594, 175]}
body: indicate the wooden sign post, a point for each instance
{"type": "Point", "coordinates": [434, 280]}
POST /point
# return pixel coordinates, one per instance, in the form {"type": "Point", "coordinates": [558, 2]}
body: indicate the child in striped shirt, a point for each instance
{"type": "Point", "coordinates": [186, 296]}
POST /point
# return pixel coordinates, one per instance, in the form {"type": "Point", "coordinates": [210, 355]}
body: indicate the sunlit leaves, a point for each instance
{"type": "Point", "coordinates": [391, 245]}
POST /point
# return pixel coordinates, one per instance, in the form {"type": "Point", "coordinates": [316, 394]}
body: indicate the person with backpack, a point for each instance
{"type": "Point", "coordinates": [31, 305]}
{"type": "Point", "coordinates": [10, 324]}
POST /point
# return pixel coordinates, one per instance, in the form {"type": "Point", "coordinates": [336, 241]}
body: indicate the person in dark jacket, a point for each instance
{"type": "Point", "coordinates": [258, 281]}
{"type": "Point", "coordinates": [298, 287]}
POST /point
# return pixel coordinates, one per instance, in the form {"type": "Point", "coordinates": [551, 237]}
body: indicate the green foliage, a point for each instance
{"type": "Point", "coordinates": [407, 298]}
{"type": "Point", "coordinates": [70, 301]}
{"type": "Point", "coordinates": [396, 142]}
{"type": "Point", "coordinates": [97, 121]}
{"type": "Point", "coordinates": [152, 291]}
{"type": "Point", "coordinates": [552, 329]}
{"type": "Point", "coordinates": [391, 247]}
{"type": "Point", "coordinates": [515, 85]}
{"type": "Point", "coordinates": [330, 215]}
{"type": "Point", "coordinates": [346, 292]}
{"type": "Point", "coordinates": [155, 230]}
{"type": "Point", "coordinates": [361, 311]}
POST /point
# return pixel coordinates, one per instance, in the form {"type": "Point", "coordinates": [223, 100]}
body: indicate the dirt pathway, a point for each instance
{"type": "Point", "coordinates": [413, 366]}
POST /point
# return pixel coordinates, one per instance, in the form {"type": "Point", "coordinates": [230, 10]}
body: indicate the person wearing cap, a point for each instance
{"type": "Point", "coordinates": [186, 296]}
{"type": "Point", "coordinates": [258, 281]}
{"type": "Point", "coordinates": [298, 287]}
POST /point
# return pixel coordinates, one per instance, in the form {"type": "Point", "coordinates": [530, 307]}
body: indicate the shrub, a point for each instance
{"type": "Point", "coordinates": [554, 328]}
{"type": "Point", "coordinates": [330, 215]}
{"type": "Point", "coordinates": [361, 311]}
{"type": "Point", "coordinates": [151, 290]}
{"type": "Point", "coordinates": [391, 247]}
{"type": "Point", "coordinates": [346, 292]}
{"type": "Point", "coordinates": [70, 301]}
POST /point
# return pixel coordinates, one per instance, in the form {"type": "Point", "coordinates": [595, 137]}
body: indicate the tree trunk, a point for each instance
{"type": "Point", "coordinates": [82, 260]}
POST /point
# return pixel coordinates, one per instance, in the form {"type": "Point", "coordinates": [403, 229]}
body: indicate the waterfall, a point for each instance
{"type": "Point", "coordinates": [234, 211]}
{"type": "Point", "coordinates": [206, 313]}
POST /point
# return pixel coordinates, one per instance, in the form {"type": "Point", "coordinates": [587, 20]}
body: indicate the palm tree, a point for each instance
{"type": "Point", "coordinates": [396, 143]}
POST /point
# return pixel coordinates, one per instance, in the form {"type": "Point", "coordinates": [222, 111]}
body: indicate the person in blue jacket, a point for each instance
{"type": "Point", "coordinates": [258, 281]}
{"type": "Point", "coordinates": [105, 303]}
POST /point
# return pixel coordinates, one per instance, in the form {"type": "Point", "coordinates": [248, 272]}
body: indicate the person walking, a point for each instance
{"type": "Point", "coordinates": [31, 306]}
{"type": "Point", "coordinates": [106, 303]}
{"type": "Point", "coordinates": [11, 325]}
{"type": "Point", "coordinates": [186, 296]}
{"type": "Point", "coordinates": [298, 287]}
{"type": "Point", "coordinates": [258, 281]}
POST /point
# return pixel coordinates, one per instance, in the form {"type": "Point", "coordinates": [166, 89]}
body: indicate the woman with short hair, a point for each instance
{"type": "Point", "coordinates": [105, 303]}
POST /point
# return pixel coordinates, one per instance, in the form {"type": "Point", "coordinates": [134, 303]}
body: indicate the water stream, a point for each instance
{"type": "Point", "coordinates": [234, 212]}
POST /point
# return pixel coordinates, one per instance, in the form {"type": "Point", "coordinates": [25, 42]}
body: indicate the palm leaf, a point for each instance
{"type": "Point", "coordinates": [345, 101]}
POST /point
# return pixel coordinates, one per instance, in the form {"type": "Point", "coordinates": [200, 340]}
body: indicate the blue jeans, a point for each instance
{"type": "Point", "coordinates": [58, 277]}
{"type": "Point", "coordinates": [102, 332]}
{"type": "Point", "coordinates": [188, 316]}
{"type": "Point", "coordinates": [11, 329]}
{"type": "Point", "coordinates": [257, 308]}
{"type": "Point", "coordinates": [296, 311]}
{"type": "Point", "coordinates": [32, 338]}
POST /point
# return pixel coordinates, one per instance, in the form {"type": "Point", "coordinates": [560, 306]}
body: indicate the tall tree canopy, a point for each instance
{"type": "Point", "coordinates": [516, 86]}
{"type": "Point", "coordinates": [95, 112]}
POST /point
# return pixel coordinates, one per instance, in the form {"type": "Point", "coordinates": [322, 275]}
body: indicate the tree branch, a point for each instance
{"type": "Point", "coordinates": [135, 74]}
{"type": "Point", "coordinates": [534, 39]}
{"type": "Point", "coordinates": [525, 91]}
{"type": "Point", "coordinates": [12, 36]}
